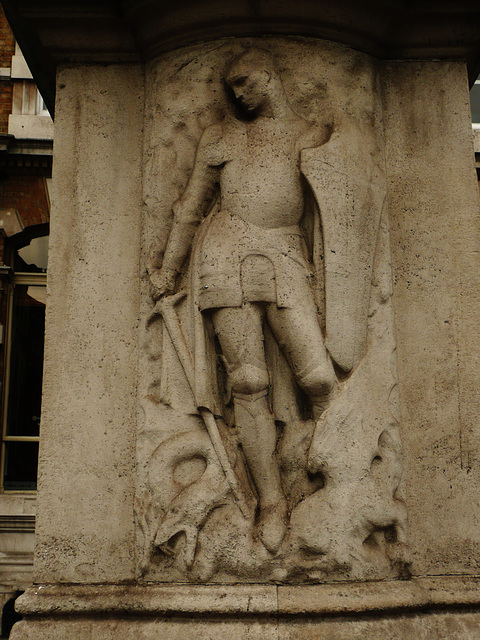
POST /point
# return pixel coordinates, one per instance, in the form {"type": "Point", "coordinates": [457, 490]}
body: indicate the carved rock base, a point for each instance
{"type": "Point", "coordinates": [427, 608]}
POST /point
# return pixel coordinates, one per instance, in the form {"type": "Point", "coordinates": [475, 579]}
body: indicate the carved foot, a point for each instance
{"type": "Point", "coordinates": [271, 526]}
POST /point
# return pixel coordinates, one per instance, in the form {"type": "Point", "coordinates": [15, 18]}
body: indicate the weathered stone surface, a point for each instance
{"type": "Point", "coordinates": [167, 629]}
{"type": "Point", "coordinates": [279, 246]}
{"type": "Point", "coordinates": [462, 626]}
{"type": "Point", "coordinates": [267, 600]}
{"type": "Point", "coordinates": [433, 207]}
{"type": "Point", "coordinates": [424, 627]}
{"type": "Point", "coordinates": [426, 608]}
{"type": "Point", "coordinates": [392, 182]}
{"type": "Point", "coordinates": [85, 524]}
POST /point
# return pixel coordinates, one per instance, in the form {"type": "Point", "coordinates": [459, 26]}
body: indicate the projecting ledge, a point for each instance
{"type": "Point", "coordinates": [252, 600]}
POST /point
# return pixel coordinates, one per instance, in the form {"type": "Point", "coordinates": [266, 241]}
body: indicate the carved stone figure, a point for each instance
{"type": "Point", "coordinates": [252, 265]}
{"type": "Point", "coordinates": [264, 293]}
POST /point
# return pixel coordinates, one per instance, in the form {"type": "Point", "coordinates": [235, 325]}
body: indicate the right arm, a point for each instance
{"type": "Point", "coordinates": [189, 210]}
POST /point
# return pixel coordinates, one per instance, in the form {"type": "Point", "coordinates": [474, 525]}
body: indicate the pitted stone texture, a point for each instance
{"type": "Point", "coordinates": [279, 245]}
{"type": "Point", "coordinates": [340, 598]}
{"type": "Point", "coordinates": [433, 206]}
{"type": "Point", "coordinates": [139, 629]}
{"type": "Point", "coordinates": [445, 626]}
{"type": "Point", "coordinates": [87, 449]}
{"type": "Point", "coordinates": [426, 608]}
{"type": "Point", "coordinates": [438, 626]}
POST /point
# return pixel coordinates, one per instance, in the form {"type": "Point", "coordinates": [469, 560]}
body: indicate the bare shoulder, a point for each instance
{"type": "Point", "coordinates": [210, 147]}
{"type": "Point", "coordinates": [212, 134]}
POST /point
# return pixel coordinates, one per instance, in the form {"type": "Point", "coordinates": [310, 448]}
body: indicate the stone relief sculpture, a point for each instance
{"type": "Point", "coordinates": [273, 298]}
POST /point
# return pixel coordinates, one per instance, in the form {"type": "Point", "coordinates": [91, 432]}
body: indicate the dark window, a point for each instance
{"type": "Point", "coordinates": [22, 395]}
{"type": "Point", "coordinates": [475, 102]}
{"type": "Point", "coordinates": [26, 361]}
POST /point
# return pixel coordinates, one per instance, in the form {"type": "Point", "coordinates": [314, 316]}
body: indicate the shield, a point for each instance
{"type": "Point", "coordinates": [350, 195]}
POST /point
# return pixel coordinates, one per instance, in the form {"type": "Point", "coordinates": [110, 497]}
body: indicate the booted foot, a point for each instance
{"type": "Point", "coordinates": [272, 527]}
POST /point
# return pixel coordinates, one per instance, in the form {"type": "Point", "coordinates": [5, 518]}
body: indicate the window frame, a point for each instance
{"type": "Point", "coordinates": [28, 279]}
{"type": "Point", "coordinates": [475, 123]}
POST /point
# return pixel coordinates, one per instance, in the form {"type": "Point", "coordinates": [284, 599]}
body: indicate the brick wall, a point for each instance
{"type": "Point", "coordinates": [7, 49]}
{"type": "Point", "coordinates": [7, 41]}
{"type": "Point", "coordinates": [6, 92]}
{"type": "Point", "coordinates": [28, 194]}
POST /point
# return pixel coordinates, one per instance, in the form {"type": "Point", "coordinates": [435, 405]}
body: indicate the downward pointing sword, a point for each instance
{"type": "Point", "coordinates": [165, 308]}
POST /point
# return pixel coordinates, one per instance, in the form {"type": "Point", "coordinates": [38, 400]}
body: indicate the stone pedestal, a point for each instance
{"type": "Point", "coordinates": [429, 608]}
{"type": "Point", "coordinates": [150, 514]}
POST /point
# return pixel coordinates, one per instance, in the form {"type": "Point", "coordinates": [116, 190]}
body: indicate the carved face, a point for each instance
{"type": "Point", "coordinates": [250, 87]}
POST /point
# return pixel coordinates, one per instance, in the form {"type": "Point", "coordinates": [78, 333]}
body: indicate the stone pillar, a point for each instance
{"type": "Point", "coordinates": [262, 349]}
{"type": "Point", "coordinates": [89, 407]}
{"type": "Point", "coordinates": [433, 207]}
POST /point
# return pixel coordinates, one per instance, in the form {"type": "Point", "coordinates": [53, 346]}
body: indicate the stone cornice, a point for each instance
{"type": "Point", "coordinates": [17, 524]}
{"type": "Point", "coordinates": [55, 32]}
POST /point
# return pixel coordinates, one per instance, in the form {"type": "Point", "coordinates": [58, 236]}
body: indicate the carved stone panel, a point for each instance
{"type": "Point", "coordinates": [268, 444]}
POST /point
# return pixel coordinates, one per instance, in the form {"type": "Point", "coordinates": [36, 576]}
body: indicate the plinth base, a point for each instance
{"type": "Point", "coordinates": [427, 608]}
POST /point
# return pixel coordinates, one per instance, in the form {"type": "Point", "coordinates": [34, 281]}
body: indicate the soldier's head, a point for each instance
{"type": "Point", "coordinates": [253, 79]}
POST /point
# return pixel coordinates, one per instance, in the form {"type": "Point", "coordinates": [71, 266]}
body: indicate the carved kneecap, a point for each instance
{"type": "Point", "coordinates": [249, 379]}
{"type": "Point", "coordinates": [318, 381]}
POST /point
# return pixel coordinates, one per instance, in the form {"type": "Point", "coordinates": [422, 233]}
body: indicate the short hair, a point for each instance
{"type": "Point", "coordinates": [253, 59]}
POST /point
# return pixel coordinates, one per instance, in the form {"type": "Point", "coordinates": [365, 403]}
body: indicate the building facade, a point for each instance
{"type": "Point", "coordinates": [26, 140]}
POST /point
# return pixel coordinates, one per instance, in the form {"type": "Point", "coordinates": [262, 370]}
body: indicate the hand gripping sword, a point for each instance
{"type": "Point", "coordinates": [165, 308]}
